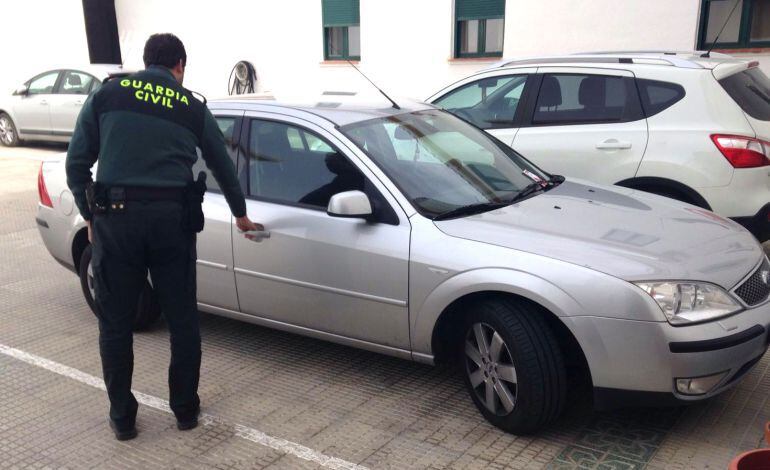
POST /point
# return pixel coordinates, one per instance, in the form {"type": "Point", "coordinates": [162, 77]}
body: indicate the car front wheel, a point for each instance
{"type": "Point", "coordinates": [147, 309]}
{"type": "Point", "coordinates": [8, 135]}
{"type": "Point", "coordinates": [512, 365]}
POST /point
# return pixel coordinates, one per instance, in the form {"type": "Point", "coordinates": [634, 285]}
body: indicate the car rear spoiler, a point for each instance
{"type": "Point", "coordinates": [726, 69]}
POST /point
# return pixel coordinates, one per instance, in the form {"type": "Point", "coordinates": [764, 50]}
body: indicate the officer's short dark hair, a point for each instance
{"type": "Point", "coordinates": [164, 49]}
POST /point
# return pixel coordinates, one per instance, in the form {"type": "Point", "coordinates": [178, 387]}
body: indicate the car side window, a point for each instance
{"type": "Point", "coordinates": [289, 164]}
{"type": "Point", "coordinates": [489, 103]}
{"type": "Point", "coordinates": [227, 126]}
{"type": "Point", "coordinates": [76, 83]}
{"type": "Point", "coordinates": [581, 99]}
{"type": "Point", "coordinates": [44, 84]}
{"type": "Point", "coordinates": [657, 96]}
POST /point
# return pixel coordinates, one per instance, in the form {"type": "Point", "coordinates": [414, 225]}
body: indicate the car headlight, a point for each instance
{"type": "Point", "coordinates": [690, 302]}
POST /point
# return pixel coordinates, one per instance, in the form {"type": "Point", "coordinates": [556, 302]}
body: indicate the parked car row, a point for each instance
{"type": "Point", "coordinates": [412, 232]}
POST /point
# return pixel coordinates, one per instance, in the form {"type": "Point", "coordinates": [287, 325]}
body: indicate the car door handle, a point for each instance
{"type": "Point", "coordinates": [256, 235]}
{"type": "Point", "coordinates": [43, 102]}
{"type": "Point", "coordinates": [613, 144]}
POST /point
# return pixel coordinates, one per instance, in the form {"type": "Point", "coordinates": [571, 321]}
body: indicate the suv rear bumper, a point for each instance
{"type": "Point", "coordinates": [758, 224]}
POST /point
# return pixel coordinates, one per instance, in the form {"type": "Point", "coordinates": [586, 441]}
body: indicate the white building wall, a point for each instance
{"type": "Point", "coordinates": [40, 35]}
{"type": "Point", "coordinates": [559, 26]}
{"type": "Point", "coordinates": [406, 45]}
{"type": "Point", "coordinates": [404, 54]}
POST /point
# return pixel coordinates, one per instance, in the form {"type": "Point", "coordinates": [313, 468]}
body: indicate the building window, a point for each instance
{"type": "Point", "coordinates": [749, 25]}
{"type": "Point", "coordinates": [479, 26]}
{"type": "Point", "coordinates": [342, 30]}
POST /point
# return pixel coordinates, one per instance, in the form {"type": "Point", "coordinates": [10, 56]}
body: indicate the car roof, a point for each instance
{"type": "Point", "coordinates": [678, 59]}
{"type": "Point", "coordinates": [332, 108]}
{"type": "Point", "coordinates": [97, 70]}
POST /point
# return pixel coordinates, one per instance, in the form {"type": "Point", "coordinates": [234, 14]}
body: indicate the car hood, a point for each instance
{"type": "Point", "coordinates": [625, 233]}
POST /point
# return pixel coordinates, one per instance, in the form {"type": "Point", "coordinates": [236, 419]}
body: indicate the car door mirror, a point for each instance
{"type": "Point", "coordinates": [22, 91]}
{"type": "Point", "coordinates": [350, 204]}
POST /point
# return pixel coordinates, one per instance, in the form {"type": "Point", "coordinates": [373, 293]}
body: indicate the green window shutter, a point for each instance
{"type": "Point", "coordinates": [476, 9]}
{"type": "Point", "coordinates": [341, 12]}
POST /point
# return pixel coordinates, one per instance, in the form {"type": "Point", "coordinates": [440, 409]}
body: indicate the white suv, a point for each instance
{"type": "Point", "coordinates": [680, 125]}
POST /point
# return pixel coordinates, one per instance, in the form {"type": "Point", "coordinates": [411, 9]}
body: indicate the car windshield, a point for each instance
{"type": "Point", "coordinates": [441, 163]}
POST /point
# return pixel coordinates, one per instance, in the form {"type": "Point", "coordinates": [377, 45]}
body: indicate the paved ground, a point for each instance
{"type": "Point", "coordinates": [282, 401]}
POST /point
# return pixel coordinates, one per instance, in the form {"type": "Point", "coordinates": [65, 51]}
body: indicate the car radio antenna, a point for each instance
{"type": "Point", "coordinates": [395, 106]}
{"type": "Point", "coordinates": [714, 43]}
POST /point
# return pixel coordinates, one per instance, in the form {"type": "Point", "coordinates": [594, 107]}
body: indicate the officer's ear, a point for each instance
{"type": "Point", "coordinates": [178, 71]}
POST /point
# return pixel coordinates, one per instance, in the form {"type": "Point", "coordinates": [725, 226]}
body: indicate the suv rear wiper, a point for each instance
{"type": "Point", "coordinates": [471, 209]}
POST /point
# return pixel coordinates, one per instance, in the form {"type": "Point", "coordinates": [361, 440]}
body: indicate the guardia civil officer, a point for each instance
{"type": "Point", "coordinates": [143, 216]}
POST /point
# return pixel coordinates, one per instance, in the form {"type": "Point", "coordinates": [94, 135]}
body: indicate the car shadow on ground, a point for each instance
{"type": "Point", "coordinates": [413, 399]}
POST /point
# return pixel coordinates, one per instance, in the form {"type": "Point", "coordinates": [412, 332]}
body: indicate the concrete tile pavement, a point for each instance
{"type": "Point", "coordinates": [367, 409]}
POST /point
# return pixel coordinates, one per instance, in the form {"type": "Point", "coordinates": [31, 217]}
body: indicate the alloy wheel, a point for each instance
{"type": "Point", "coordinates": [90, 281]}
{"type": "Point", "coordinates": [7, 133]}
{"type": "Point", "coordinates": [490, 369]}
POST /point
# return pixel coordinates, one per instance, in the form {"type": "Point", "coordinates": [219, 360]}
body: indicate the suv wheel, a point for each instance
{"type": "Point", "coordinates": [512, 366]}
{"type": "Point", "coordinates": [8, 135]}
{"type": "Point", "coordinates": [147, 310]}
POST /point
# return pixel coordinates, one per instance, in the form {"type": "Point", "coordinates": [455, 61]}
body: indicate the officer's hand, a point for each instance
{"type": "Point", "coordinates": [90, 232]}
{"type": "Point", "coordinates": [246, 225]}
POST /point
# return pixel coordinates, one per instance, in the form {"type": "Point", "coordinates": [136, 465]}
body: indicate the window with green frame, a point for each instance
{"type": "Point", "coordinates": [342, 30]}
{"type": "Point", "coordinates": [749, 25]}
{"type": "Point", "coordinates": [479, 26]}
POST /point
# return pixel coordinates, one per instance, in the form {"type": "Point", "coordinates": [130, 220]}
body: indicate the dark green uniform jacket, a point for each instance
{"type": "Point", "coordinates": [145, 129]}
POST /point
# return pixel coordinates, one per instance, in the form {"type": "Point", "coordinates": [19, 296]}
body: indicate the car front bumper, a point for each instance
{"type": "Point", "coordinates": [636, 363]}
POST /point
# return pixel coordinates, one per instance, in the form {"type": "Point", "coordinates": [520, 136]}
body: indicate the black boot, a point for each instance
{"type": "Point", "coordinates": [123, 434]}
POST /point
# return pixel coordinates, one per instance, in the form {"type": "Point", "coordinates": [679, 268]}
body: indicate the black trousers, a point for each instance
{"type": "Point", "coordinates": [147, 236]}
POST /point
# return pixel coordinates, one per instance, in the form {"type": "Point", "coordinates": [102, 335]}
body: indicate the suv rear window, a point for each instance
{"type": "Point", "coordinates": [657, 96]}
{"type": "Point", "coordinates": [751, 90]}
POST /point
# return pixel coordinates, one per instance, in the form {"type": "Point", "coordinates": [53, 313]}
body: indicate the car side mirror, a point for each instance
{"type": "Point", "coordinates": [350, 204]}
{"type": "Point", "coordinates": [22, 90]}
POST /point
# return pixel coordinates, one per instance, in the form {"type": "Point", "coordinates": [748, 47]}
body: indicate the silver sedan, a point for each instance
{"type": "Point", "coordinates": [412, 233]}
{"type": "Point", "coordinates": [47, 105]}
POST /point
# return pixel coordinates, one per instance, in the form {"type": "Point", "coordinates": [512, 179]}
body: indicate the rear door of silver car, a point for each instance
{"type": "Point", "coordinates": [216, 278]}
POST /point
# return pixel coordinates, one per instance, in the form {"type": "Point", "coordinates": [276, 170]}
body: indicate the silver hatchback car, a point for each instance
{"type": "Point", "coordinates": [412, 233]}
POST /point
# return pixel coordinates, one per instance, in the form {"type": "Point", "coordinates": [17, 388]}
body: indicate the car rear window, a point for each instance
{"type": "Point", "coordinates": [751, 90]}
{"type": "Point", "coordinates": [657, 96]}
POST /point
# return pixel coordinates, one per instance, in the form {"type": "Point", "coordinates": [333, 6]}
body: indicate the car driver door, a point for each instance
{"type": "Point", "coordinates": [343, 277]}
{"type": "Point", "coordinates": [492, 101]}
{"type": "Point", "coordinates": [33, 109]}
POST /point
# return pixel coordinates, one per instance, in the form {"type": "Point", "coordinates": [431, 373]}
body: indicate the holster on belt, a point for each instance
{"type": "Point", "coordinates": [194, 204]}
{"type": "Point", "coordinates": [96, 196]}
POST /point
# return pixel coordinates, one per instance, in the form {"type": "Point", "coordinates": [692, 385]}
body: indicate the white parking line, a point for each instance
{"type": "Point", "coordinates": [244, 432]}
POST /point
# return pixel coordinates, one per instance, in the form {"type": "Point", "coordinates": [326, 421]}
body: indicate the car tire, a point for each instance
{"type": "Point", "coordinates": [8, 134]}
{"type": "Point", "coordinates": [522, 357]}
{"type": "Point", "coordinates": [147, 310]}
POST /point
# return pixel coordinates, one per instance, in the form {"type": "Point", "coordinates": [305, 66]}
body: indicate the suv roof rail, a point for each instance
{"type": "Point", "coordinates": [682, 59]}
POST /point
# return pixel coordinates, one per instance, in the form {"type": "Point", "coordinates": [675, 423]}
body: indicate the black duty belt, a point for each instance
{"type": "Point", "coordinates": [154, 194]}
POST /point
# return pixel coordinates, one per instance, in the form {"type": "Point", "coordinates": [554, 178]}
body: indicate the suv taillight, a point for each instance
{"type": "Point", "coordinates": [742, 151]}
{"type": "Point", "coordinates": [42, 191]}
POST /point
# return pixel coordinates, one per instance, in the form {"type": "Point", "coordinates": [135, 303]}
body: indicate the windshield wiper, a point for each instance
{"type": "Point", "coordinates": [537, 186]}
{"type": "Point", "coordinates": [471, 209]}
{"type": "Point", "coordinates": [480, 207]}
